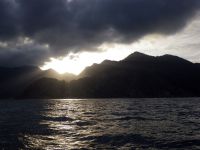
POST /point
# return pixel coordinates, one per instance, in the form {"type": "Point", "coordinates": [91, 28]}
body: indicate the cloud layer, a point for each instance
{"type": "Point", "coordinates": [56, 27]}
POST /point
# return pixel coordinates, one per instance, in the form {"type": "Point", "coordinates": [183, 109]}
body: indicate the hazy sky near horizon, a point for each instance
{"type": "Point", "coordinates": [82, 32]}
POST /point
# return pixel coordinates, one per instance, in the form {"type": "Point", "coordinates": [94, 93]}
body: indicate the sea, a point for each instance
{"type": "Point", "coordinates": [121, 124]}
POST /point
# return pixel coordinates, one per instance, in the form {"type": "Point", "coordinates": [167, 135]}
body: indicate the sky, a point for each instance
{"type": "Point", "coordinates": [68, 35]}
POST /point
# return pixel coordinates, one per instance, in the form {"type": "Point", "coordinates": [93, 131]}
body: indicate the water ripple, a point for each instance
{"type": "Point", "coordinates": [100, 124]}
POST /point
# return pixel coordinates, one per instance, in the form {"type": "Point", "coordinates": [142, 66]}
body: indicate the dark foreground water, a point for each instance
{"type": "Point", "coordinates": [100, 124]}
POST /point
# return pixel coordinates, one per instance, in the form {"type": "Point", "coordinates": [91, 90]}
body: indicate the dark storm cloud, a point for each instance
{"type": "Point", "coordinates": [8, 20]}
{"type": "Point", "coordinates": [84, 24]}
{"type": "Point", "coordinates": [32, 54]}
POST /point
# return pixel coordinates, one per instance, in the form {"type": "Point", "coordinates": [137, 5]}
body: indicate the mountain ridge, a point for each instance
{"type": "Point", "coordinates": [138, 75]}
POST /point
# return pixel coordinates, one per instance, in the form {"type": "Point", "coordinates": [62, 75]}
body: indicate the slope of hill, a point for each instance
{"type": "Point", "coordinates": [47, 88]}
{"type": "Point", "coordinates": [13, 81]}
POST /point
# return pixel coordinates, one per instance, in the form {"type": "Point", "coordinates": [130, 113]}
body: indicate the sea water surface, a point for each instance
{"type": "Point", "coordinates": [100, 124]}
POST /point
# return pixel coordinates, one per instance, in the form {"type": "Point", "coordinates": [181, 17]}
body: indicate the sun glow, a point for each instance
{"type": "Point", "coordinates": [76, 62]}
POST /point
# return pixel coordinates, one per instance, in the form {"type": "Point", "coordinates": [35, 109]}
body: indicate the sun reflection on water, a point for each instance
{"type": "Point", "coordinates": [111, 124]}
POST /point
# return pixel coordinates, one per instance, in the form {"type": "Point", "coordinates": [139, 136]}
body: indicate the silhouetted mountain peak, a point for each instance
{"type": "Point", "coordinates": [53, 74]}
{"type": "Point", "coordinates": [137, 56]}
{"type": "Point", "coordinates": [136, 53]}
{"type": "Point", "coordinates": [108, 62]}
{"type": "Point", "coordinates": [97, 68]}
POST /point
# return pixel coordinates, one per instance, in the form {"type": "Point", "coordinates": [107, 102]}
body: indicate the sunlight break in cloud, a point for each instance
{"type": "Point", "coordinates": [75, 63]}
